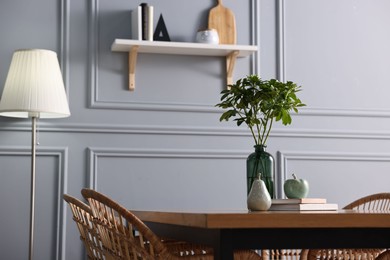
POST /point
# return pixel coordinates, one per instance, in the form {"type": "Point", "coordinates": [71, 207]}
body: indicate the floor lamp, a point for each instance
{"type": "Point", "coordinates": [34, 89]}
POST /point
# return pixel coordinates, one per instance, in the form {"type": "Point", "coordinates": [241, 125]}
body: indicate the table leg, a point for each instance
{"type": "Point", "coordinates": [223, 249]}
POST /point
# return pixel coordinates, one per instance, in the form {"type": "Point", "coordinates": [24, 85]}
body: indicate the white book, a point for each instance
{"type": "Point", "coordinates": [305, 206]}
{"type": "Point", "coordinates": [136, 23]}
{"type": "Point", "coordinates": [298, 201]}
{"type": "Point", "coordinates": [150, 14]}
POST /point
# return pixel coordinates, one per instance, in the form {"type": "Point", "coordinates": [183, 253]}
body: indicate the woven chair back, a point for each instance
{"type": "Point", "coordinates": [281, 254]}
{"type": "Point", "coordinates": [377, 202]}
{"type": "Point", "coordinates": [82, 215]}
{"type": "Point", "coordinates": [124, 236]}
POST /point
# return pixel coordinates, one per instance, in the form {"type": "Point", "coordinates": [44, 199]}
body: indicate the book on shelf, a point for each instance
{"type": "Point", "coordinates": [298, 201]}
{"type": "Point", "coordinates": [149, 34]}
{"type": "Point", "coordinates": [136, 21]}
{"type": "Point", "coordinates": [142, 22]}
{"type": "Point", "coordinates": [305, 206]}
{"type": "Point", "coordinates": [147, 12]}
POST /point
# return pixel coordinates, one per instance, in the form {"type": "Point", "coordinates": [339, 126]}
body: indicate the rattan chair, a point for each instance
{"type": "Point", "coordinates": [125, 236]}
{"type": "Point", "coordinates": [377, 202]}
{"type": "Point", "coordinates": [82, 215]}
{"type": "Point", "coordinates": [384, 256]}
{"type": "Point", "coordinates": [283, 254]}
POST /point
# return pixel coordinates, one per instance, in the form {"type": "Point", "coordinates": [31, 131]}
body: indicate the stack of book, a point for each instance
{"type": "Point", "coordinates": [303, 204]}
{"type": "Point", "coordinates": [142, 22]}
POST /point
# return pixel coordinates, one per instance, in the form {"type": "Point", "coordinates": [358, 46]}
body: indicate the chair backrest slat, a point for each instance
{"type": "Point", "coordinates": [125, 236]}
{"type": "Point", "coordinates": [117, 227]}
{"type": "Point", "coordinates": [82, 215]}
{"type": "Point", "coordinates": [377, 202]}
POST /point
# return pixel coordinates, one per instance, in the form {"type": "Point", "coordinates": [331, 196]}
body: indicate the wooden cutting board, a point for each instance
{"type": "Point", "coordinates": [222, 19]}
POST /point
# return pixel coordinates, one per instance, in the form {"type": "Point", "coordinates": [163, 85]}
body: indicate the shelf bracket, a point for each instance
{"type": "Point", "coordinates": [230, 62]}
{"type": "Point", "coordinates": [133, 53]}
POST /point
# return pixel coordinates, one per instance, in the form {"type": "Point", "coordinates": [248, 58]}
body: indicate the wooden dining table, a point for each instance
{"type": "Point", "coordinates": [228, 230]}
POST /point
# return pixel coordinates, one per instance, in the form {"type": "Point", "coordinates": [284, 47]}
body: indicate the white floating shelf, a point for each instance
{"type": "Point", "coordinates": [133, 47]}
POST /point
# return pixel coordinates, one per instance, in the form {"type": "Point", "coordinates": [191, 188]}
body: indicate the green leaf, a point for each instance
{"type": "Point", "coordinates": [258, 102]}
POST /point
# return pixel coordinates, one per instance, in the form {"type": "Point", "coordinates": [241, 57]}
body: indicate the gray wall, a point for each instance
{"type": "Point", "coordinates": [162, 146]}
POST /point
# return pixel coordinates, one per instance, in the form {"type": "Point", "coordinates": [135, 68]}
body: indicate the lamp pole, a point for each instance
{"type": "Point", "coordinates": [32, 201]}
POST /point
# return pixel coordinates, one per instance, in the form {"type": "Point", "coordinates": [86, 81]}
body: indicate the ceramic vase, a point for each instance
{"type": "Point", "coordinates": [259, 198]}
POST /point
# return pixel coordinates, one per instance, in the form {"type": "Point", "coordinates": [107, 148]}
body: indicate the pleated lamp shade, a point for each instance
{"type": "Point", "coordinates": [34, 86]}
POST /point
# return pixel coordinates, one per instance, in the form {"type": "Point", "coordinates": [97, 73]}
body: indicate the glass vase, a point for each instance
{"type": "Point", "coordinates": [260, 163]}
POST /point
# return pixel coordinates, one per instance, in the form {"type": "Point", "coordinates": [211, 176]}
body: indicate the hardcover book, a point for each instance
{"type": "Point", "coordinates": [149, 31]}
{"type": "Point", "coordinates": [136, 22]}
{"type": "Point", "coordinates": [298, 201]}
{"type": "Point", "coordinates": [147, 21]}
{"type": "Point", "coordinates": [305, 206]}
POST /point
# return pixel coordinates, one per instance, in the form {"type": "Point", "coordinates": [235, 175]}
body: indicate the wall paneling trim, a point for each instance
{"type": "Point", "coordinates": [61, 156]}
{"type": "Point", "coordinates": [99, 102]}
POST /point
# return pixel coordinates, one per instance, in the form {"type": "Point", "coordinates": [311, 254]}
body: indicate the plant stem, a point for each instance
{"type": "Point", "coordinates": [258, 141]}
{"type": "Point", "coordinates": [250, 127]}
{"type": "Point", "coordinates": [269, 130]}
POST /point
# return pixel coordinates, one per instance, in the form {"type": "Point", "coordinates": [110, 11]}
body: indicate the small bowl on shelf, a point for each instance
{"type": "Point", "coordinates": [209, 36]}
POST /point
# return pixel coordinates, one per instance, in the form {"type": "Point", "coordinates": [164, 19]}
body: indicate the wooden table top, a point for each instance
{"type": "Point", "coordinates": [269, 219]}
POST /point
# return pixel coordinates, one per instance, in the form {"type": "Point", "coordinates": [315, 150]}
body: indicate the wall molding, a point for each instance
{"type": "Point", "coordinates": [61, 153]}
{"type": "Point", "coordinates": [255, 36]}
{"type": "Point", "coordinates": [93, 52]}
{"type": "Point", "coordinates": [94, 153]}
{"type": "Point", "coordinates": [97, 102]}
{"type": "Point", "coordinates": [281, 165]}
{"type": "Point", "coordinates": [281, 60]}
{"type": "Point", "coordinates": [280, 41]}
{"type": "Point", "coordinates": [207, 131]}
{"type": "Point", "coordinates": [283, 157]}
{"type": "Point", "coordinates": [64, 42]}
{"type": "Point", "coordinates": [194, 131]}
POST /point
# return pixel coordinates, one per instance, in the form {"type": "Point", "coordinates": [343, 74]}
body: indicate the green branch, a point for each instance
{"type": "Point", "coordinates": [261, 102]}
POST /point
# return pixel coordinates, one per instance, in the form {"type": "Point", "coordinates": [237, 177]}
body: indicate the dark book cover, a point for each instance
{"type": "Point", "coordinates": [144, 20]}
